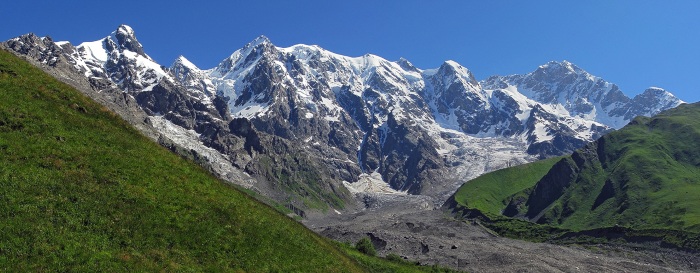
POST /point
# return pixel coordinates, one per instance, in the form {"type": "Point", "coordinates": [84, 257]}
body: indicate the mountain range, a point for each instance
{"type": "Point", "coordinates": [309, 128]}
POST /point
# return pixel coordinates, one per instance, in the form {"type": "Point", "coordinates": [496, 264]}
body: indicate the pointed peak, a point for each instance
{"type": "Point", "coordinates": [566, 63]}
{"type": "Point", "coordinates": [125, 38]}
{"type": "Point", "coordinates": [654, 89]}
{"type": "Point", "coordinates": [657, 99]}
{"type": "Point", "coordinates": [563, 67]}
{"type": "Point", "coordinates": [455, 66]}
{"type": "Point", "coordinates": [557, 64]}
{"type": "Point", "coordinates": [257, 47]}
{"type": "Point", "coordinates": [262, 39]}
{"type": "Point", "coordinates": [182, 61]}
{"type": "Point", "coordinates": [261, 42]}
{"type": "Point", "coordinates": [406, 65]}
{"type": "Point", "coordinates": [569, 65]}
{"type": "Point", "coordinates": [658, 92]}
{"type": "Point", "coordinates": [452, 67]}
{"type": "Point", "coordinates": [126, 30]}
{"type": "Point", "coordinates": [452, 63]}
{"type": "Point", "coordinates": [29, 36]}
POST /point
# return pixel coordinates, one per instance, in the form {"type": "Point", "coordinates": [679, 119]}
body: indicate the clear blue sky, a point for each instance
{"type": "Point", "coordinates": [635, 44]}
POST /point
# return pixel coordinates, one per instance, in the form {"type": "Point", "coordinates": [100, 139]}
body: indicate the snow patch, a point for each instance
{"type": "Point", "coordinates": [185, 62]}
{"type": "Point", "coordinates": [189, 139]}
{"type": "Point", "coordinates": [541, 133]}
{"type": "Point", "coordinates": [371, 183]}
{"type": "Point", "coordinates": [95, 51]}
{"type": "Point", "coordinates": [249, 110]}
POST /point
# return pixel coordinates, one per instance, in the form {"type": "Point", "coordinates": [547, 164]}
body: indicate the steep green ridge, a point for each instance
{"type": "Point", "coordinates": [489, 193]}
{"type": "Point", "coordinates": [81, 190]}
{"type": "Point", "coordinates": [645, 176]}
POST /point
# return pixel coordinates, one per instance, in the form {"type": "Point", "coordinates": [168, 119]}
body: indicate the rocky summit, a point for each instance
{"type": "Point", "coordinates": [309, 128]}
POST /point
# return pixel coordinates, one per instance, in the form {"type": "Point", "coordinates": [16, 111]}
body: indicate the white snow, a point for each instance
{"type": "Point", "coordinates": [249, 110]}
{"type": "Point", "coordinates": [94, 55]}
{"type": "Point", "coordinates": [331, 119]}
{"type": "Point", "coordinates": [185, 62]}
{"type": "Point", "coordinates": [189, 139]}
{"type": "Point", "coordinates": [541, 133]}
{"type": "Point", "coordinates": [371, 183]}
{"type": "Point", "coordinates": [126, 30]}
{"type": "Point", "coordinates": [95, 51]}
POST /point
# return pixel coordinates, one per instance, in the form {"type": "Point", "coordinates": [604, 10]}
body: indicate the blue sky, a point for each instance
{"type": "Point", "coordinates": [635, 44]}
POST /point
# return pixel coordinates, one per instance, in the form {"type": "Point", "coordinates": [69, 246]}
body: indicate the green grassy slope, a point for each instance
{"type": "Point", "coordinates": [489, 193]}
{"type": "Point", "coordinates": [645, 176]}
{"type": "Point", "coordinates": [81, 190]}
{"type": "Point", "coordinates": [649, 174]}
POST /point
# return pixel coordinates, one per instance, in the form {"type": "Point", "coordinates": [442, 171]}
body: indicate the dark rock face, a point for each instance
{"type": "Point", "coordinates": [551, 188]}
{"type": "Point", "coordinates": [127, 40]}
{"type": "Point", "coordinates": [652, 100]}
{"type": "Point", "coordinates": [405, 159]}
{"type": "Point", "coordinates": [462, 95]}
{"type": "Point", "coordinates": [42, 50]}
{"type": "Point", "coordinates": [554, 184]}
{"type": "Point", "coordinates": [379, 243]}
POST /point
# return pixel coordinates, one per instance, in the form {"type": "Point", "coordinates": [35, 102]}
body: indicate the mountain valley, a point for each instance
{"type": "Point", "coordinates": [362, 146]}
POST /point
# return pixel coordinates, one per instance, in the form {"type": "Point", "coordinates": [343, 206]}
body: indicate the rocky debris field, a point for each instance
{"type": "Point", "coordinates": [431, 236]}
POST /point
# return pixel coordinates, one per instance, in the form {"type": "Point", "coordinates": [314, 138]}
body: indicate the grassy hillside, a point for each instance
{"type": "Point", "coordinates": [489, 193]}
{"type": "Point", "coordinates": [81, 190]}
{"type": "Point", "coordinates": [645, 176]}
{"type": "Point", "coordinates": [648, 177]}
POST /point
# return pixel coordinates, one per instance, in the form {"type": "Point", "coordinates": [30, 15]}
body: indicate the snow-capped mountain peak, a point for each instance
{"type": "Point", "coordinates": [652, 101]}
{"type": "Point", "coordinates": [126, 40]}
{"type": "Point", "coordinates": [451, 67]}
{"type": "Point", "coordinates": [408, 66]}
{"type": "Point", "coordinates": [194, 79]}
{"type": "Point", "coordinates": [184, 62]}
{"type": "Point", "coordinates": [120, 40]}
{"type": "Point", "coordinates": [262, 39]}
{"type": "Point", "coordinates": [577, 93]}
{"type": "Point", "coordinates": [555, 72]}
{"type": "Point", "coordinates": [244, 57]}
{"type": "Point", "coordinates": [566, 65]}
{"type": "Point", "coordinates": [125, 31]}
{"type": "Point", "coordinates": [658, 91]}
{"type": "Point", "coordinates": [121, 58]}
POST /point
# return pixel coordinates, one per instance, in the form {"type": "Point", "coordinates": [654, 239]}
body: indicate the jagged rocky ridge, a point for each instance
{"type": "Point", "coordinates": [294, 123]}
